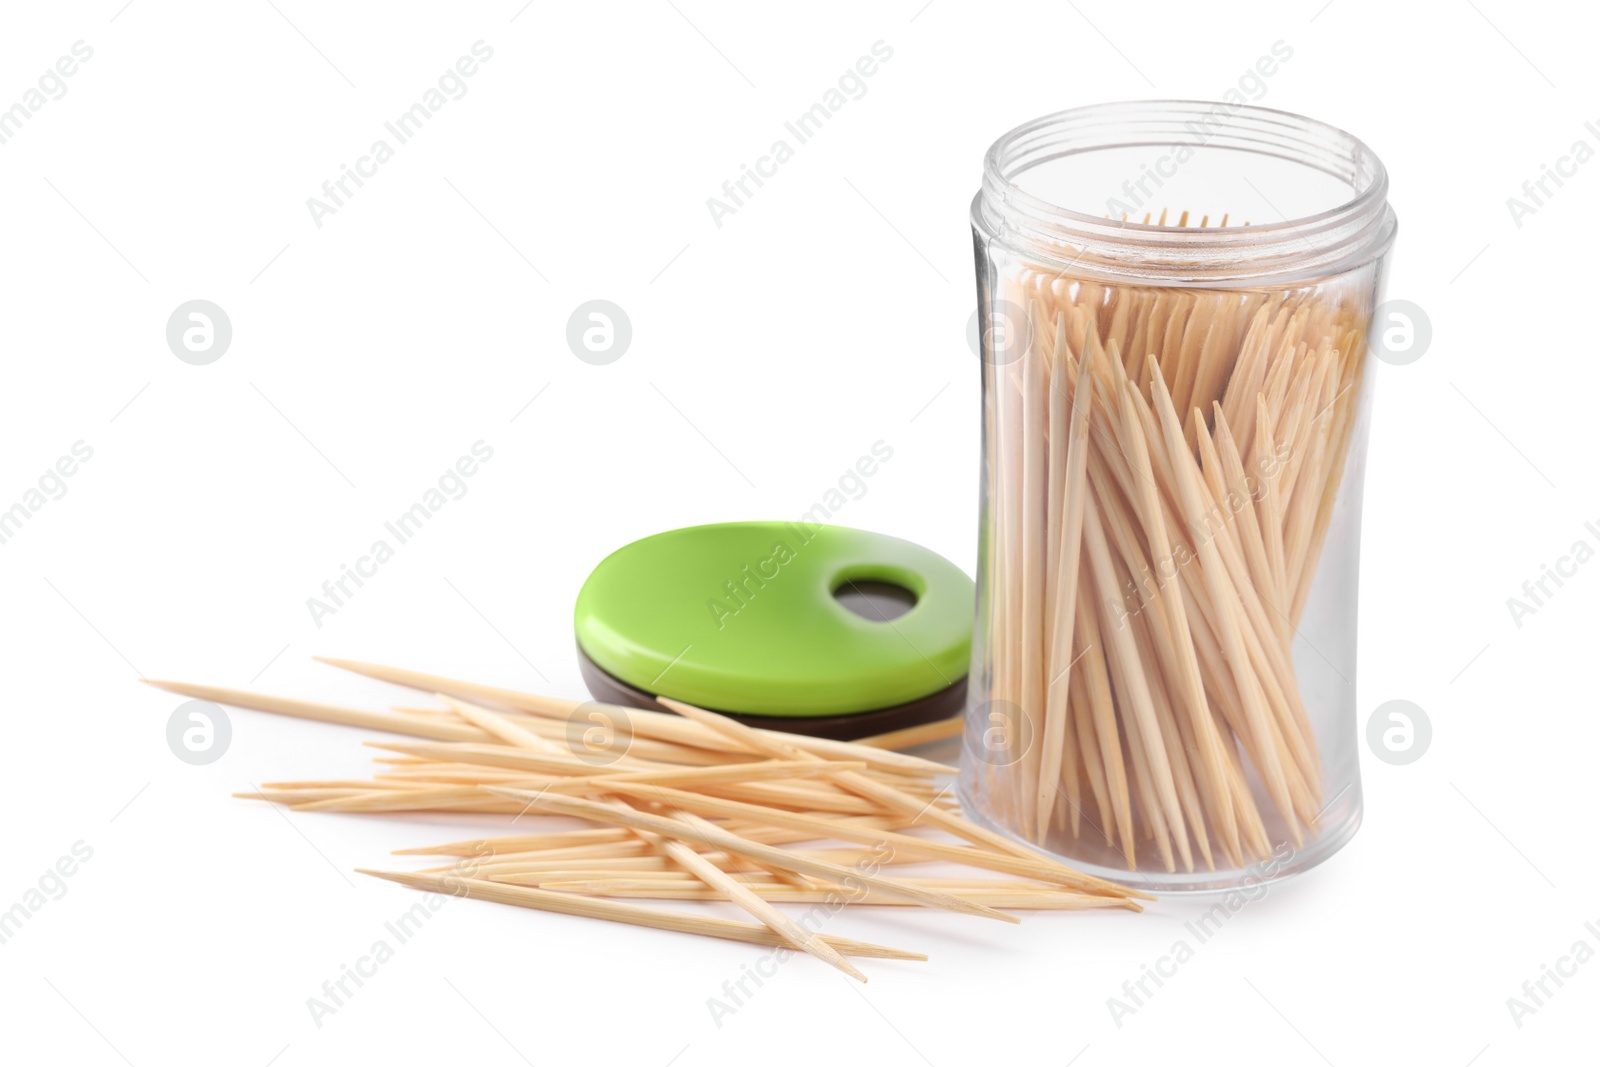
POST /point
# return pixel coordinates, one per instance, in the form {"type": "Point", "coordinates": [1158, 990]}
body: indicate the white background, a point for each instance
{"type": "Point", "coordinates": [828, 313]}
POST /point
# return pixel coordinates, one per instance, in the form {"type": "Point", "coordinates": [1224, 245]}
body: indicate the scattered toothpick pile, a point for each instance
{"type": "Point", "coordinates": [687, 805]}
{"type": "Point", "coordinates": [1163, 466]}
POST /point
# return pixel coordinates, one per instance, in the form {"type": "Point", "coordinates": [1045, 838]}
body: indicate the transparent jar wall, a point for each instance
{"type": "Point", "coordinates": [1163, 677]}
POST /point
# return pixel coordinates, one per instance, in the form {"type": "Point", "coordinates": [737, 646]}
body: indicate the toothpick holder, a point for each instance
{"type": "Point", "coordinates": [1175, 300]}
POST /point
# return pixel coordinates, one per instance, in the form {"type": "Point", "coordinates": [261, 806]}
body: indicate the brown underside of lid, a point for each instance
{"type": "Point", "coordinates": [932, 708]}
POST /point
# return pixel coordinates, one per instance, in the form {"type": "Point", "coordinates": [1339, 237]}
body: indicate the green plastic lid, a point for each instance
{"type": "Point", "coordinates": [742, 617]}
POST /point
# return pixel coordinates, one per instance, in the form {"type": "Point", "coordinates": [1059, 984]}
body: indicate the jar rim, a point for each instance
{"type": "Point", "coordinates": [1329, 241]}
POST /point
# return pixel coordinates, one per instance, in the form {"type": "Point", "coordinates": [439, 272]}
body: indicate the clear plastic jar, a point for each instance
{"type": "Point", "coordinates": [1175, 300]}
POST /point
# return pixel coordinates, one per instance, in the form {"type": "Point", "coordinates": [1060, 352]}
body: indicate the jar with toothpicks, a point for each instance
{"type": "Point", "coordinates": [1174, 300]}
